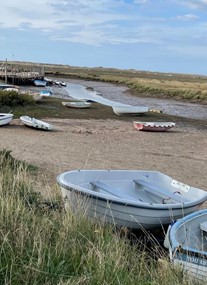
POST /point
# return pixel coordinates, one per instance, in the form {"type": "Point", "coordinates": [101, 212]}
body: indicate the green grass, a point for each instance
{"type": "Point", "coordinates": [40, 243]}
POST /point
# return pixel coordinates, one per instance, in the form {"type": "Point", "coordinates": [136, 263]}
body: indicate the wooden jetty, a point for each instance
{"type": "Point", "coordinates": [18, 73]}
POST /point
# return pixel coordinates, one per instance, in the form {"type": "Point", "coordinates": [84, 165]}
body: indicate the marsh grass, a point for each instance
{"type": "Point", "coordinates": [42, 244]}
{"type": "Point", "coordinates": [12, 98]}
{"type": "Point", "coordinates": [141, 83]}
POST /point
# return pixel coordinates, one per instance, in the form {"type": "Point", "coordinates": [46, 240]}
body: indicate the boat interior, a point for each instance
{"type": "Point", "coordinates": [193, 235]}
{"type": "Point", "coordinates": [139, 190]}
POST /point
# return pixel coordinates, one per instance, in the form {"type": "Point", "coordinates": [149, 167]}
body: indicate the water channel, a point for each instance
{"type": "Point", "coordinates": [111, 94]}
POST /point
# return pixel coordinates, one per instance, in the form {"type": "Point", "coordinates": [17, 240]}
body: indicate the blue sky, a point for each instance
{"type": "Point", "coordinates": [150, 35]}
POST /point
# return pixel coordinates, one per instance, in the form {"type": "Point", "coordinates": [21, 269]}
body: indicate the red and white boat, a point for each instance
{"type": "Point", "coordinates": [153, 126]}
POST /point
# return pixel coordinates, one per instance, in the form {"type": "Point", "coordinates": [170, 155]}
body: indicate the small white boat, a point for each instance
{"type": "Point", "coordinates": [77, 104]}
{"type": "Point", "coordinates": [11, 89]}
{"type": "Point", "coordinates": [129, 110]}
{"type": "Point", "coordinates": [187, 240]}
{"type": "Point", "coordinates": [153, 126]}
{"type": "Point", "coordinates": [35, 123]}
{"type": "Point", "coordinates": [131, 198]}
{"type": "Point", "coordinates": [45, 92]}
{"type": "Point", "coordinates": [5, 118]}
{"type": "Point", "coordinates": [62, 83]}
{"type": "Point", "coordinates": [40, 83]}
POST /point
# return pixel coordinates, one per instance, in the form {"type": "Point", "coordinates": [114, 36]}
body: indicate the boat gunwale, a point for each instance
{"type": "Point", "coordinates": [174, 244]}
{"type": "Point", "coordinates": [121, 201]}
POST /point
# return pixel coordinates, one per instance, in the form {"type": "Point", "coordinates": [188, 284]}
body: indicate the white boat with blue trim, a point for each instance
{"type": "Point", "coordinates": [187, 241]}
{"type": "Point", "coordinates": [131, 198]}
{"type": "Point", "coordinates": [40, 83]}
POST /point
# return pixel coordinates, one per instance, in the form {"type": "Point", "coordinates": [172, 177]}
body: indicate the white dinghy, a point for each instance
{"type": "Point", "coordinates": [131, 198]}
{"type": "Point", "coordinates": [5, 118]}
{"type": "Point", "coordinates": [77, 104]}
{"type": "Point", "coordinates": [35, 123]}
{"type": "Point", "coordinates": [121, 110]}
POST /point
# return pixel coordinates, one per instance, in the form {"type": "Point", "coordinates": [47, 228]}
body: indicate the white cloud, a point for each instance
{"type": "Point", "coordinates": [195, 4]}
{"type": "Point", "coordinates": [140, 1]}
{"type": "Point", "coordinates": [96, 22]}
{"type": "Point", "coordinates": [188, 17]}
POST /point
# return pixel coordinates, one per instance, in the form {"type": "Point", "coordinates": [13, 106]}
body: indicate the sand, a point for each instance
{"type": "Point", "coordinates": [109, 144]}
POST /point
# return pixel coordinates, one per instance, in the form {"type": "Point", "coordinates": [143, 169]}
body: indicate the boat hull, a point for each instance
{"type": "Point", "coordinates": [5, 119]}
{"type": "Point", "coordinates": [129, 110]}
{"type": "Point", "coordinates": [153, 126]}
{"type": "Point", "coordinates": [77, 104]}
{"type": "Point", "coordinates": [188, 245]}
{"type": "Point", "coordinates": [40, 83]}
{"type": "Point", "coordinates": [36, 124]}
{"type": "Point", "coordinates": [132, 213]}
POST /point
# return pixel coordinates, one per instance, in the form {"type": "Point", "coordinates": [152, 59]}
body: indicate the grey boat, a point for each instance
{"type": "Point", "coordinates": [129, 198]}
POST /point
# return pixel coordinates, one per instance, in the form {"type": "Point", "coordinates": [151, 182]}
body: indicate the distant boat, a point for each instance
{"type": "Point", "coordinates": [187, 243]}
{"type": "Point", "coordinates": [11, 89]}
{"type": "Point", "coordinates": [40, 83]}
{"type": "Point", "coordinates": [77, 104]}
{"type": "Point", "coordinates": [62, 83]}
{"type": "Point", "coordinates": [35, 123]}
{"type": "Point", "coordinates": [153, 126]}
{"type": "Point", "coordinates": [129, 110]}
{"type": "Point", "coordinates": [131, 198]}
{"type": "Point", "coordinates": [4, 86]}
{"type": "Point", "coordinates": [45, 92]}
{"type": "Point", "coordinates": [5, 118]}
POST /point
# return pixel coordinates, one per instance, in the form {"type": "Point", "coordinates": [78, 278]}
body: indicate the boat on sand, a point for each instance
{"type": "Point", "coordinates": [129, 110]}
{"type": "Point", "coordinates": [77, 104]}
{"type": "Point", "coordinates": [35, 123]}
{"type": "Point", "coordinates": [131, 198]}
{"type": "Point", "coordinates": [153, 126]}
{"type": "Point", "coordinates": [5, 118]}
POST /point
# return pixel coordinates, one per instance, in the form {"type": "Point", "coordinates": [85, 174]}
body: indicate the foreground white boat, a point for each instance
{"type": "Point", "coordinates": [129, 110]}
{"type": "Point", "coordinates": [153, 126]}
{"type": "Point", "coordinates": [188, 244]}
{"type": "Point", "coordinates": [5, 118]}
{"type": "Point", "coordinates": [77, 104]}
{"type": "Point", "coordinates": [131, 198]}
{"type": "Point", "coordinates": [34, 123]}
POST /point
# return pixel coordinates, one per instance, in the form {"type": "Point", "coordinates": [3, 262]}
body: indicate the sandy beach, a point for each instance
{"type": "Point", "coordinates": [109, 144]}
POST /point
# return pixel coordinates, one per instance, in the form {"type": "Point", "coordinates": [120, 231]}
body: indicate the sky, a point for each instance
{"type": "Point", "coordinates": [150, 35]}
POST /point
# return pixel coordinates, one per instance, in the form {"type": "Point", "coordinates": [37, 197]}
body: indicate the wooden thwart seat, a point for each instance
{"type": "Point", "coordinates": [153, 189]}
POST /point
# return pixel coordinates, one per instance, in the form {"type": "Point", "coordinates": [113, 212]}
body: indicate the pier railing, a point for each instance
{"type": "Point", "coordinates": [19, 73]}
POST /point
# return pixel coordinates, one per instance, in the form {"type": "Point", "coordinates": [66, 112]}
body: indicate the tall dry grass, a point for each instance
{"type": "Point", "coordinates": [40, 243]}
